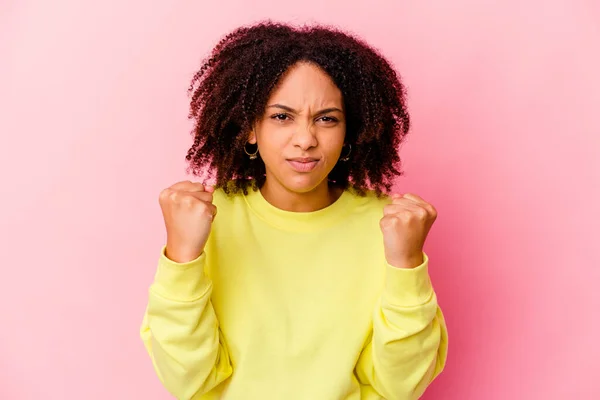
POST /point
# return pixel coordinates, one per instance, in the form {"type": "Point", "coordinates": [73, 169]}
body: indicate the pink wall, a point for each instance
{"type": "Point", "coordinates": [506, 144]}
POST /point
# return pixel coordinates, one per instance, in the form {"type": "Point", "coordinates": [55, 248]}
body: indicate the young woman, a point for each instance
{"type": "Point", "coordinates": [310, 282]}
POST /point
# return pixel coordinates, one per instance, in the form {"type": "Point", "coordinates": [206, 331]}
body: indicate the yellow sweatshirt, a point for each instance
{"type": "Point", "coordinates": [286, 306]}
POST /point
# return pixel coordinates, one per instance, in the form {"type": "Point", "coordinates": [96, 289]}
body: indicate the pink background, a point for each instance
{"type": "Point", "coordinates": [506, 144]}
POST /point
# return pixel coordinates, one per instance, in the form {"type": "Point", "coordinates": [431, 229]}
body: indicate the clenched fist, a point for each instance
{"type": "Point", "coordinates": [188, 212]}
{"type": "Point", "coordinates": [405, 225]}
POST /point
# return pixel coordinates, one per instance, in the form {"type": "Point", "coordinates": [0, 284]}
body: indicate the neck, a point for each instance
{"type": "Point", "coordinates": [320, 197]}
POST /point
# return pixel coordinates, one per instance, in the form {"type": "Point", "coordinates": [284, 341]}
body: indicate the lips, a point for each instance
{"type": "Point", "coordinates": [303, 164]}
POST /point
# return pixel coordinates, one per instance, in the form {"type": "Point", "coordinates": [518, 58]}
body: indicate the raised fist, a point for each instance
{"type": "Point", "coordinates": [188, 212]}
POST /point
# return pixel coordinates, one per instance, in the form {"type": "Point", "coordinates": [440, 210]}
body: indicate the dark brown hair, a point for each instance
{"type": "Point", "coordinates": [230, 91]}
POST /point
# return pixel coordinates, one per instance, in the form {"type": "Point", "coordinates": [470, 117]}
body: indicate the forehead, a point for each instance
{"type": "Point", "coordinates": [306, 83]}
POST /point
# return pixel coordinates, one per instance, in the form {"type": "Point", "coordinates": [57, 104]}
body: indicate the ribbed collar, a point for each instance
{"type": "Point", "coordinates": [300, 221]}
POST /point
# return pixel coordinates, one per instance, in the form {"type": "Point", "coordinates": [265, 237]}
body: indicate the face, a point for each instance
{"type": "Point", "coordinates": [301, 133]}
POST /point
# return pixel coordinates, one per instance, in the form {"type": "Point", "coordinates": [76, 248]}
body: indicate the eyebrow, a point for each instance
{"type": "Point", "coordinates": [286, 108]}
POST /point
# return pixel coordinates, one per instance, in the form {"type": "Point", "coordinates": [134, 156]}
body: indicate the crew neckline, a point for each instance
{"type": "Point", "coordinates": [299, 221]}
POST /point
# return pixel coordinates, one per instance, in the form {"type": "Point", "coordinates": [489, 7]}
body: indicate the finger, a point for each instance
{"type": "Point", "coordinates": [389, 222]}
{"type": "Point", "coordinates": [208, 208]}
{"type": "Point", "coordinates": [204, 196]}
{"type": "Point", "coordinates": [212, 209]}
{"type": "Point", "coordinates": [419, 200]}
{"type": "Point", "coordinates": [408, 198]}
{"type": "Point", "coordinates": [184, 197]}
{"type": "Point", "coordinates": [414, 197]}
{"type": "Point", "coordinates": [188, 186]}
{"type": "Point", "coordinates": [406, 205]}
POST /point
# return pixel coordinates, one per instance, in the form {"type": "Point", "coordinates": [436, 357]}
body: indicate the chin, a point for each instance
{"type": "Point", "coordinates": [303, 184]}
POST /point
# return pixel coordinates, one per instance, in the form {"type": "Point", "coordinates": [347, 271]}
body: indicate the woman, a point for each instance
{"type": "Point", "coordinates": [311, 282]}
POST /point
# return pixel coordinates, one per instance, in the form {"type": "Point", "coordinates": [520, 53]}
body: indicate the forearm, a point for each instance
{"type": "Point", "coordinates": [180, 330]}
{"type": "Point", "coordinates": [409, 343]}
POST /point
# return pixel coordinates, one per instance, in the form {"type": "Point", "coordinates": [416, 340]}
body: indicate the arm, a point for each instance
{"type": "Point", "coordinates": [180, 330]}
{"type": "Point", "coordinates": [409, 343]}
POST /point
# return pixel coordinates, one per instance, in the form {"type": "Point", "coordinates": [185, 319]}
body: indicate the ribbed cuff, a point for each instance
{"type": "Point", "coordinates": [181, 281]}
{"type": "Point", "coordinates": [406, 287]}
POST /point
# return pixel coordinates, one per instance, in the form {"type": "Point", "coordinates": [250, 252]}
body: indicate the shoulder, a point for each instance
{"type": "Point", "coordinates": [369, 205]}
{"type": "Point", "coordinates": [370, 200]}
{"type": "Point", "coordinates": [222, 199]}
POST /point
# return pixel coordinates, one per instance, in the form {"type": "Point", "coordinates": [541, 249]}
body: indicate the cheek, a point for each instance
{"type": "Point", "coordinates": [271, 143]}
{"type": "Point", "coordinates": [334, 145]}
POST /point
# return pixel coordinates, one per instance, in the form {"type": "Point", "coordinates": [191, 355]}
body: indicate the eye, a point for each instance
{"type": "Point", "coordinates": [280, 117]}
{"type": "Point", "coordinates": [328, 119]}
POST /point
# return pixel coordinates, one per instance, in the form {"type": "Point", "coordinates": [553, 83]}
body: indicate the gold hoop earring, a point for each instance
{"type": "Point", "coordinates": [347, 156]}
{"type": "Point", "coordinates": [251, 156]}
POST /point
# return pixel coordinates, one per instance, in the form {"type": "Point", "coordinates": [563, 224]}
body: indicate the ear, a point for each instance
{"type": "Point", "coordinates": [252, 138]}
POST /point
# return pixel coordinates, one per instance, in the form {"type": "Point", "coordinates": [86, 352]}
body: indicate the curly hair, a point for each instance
{"type": "Point", "coordinates": [230, 91]}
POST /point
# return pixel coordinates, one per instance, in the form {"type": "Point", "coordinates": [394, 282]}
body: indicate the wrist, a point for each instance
{"type": "Point", "coordinates": [410, 262]}
{"type": "Point", "coordinates": [182, 256]}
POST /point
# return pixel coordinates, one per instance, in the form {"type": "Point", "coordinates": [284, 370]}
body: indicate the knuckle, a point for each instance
{"type": "Point", "coordinates": [174, 196]}
{"type": "Point", "coordinates": [164, 193]}
{"type": "Point", "coordinates": [390, 221]}
{"type": "Point", "coordinates": [405, 215]}
{"type": "Point", "coordinates": [186, 200]}
{"type": "Point", "coordinates": [409, 217]}
{"type": "Point", "coordinates": [433, 211]}
{"type": "Point", "coordinates": [165, 196]}
{"type": "Point", "coordinates": [384, 222]}
{"type": "Point", "coordinates": [422, 213]}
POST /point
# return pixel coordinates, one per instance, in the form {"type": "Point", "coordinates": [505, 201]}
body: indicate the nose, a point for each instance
{"type": "Point", "coordinates": [304, 137]}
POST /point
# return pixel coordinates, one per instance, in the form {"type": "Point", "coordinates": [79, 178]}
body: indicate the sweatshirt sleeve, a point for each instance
{"type": "Point", "coordinates": [180, 329]}
{"type": "Point", "coordinates": [409, 343]}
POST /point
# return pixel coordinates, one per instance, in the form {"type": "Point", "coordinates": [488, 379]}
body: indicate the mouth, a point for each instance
{"type": "Point", "coordinates": [303, 164]}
